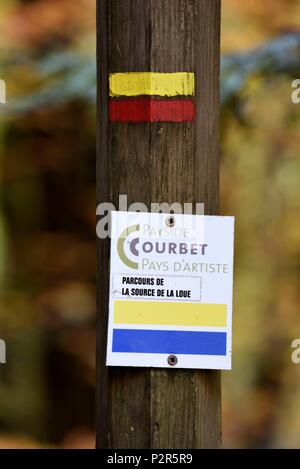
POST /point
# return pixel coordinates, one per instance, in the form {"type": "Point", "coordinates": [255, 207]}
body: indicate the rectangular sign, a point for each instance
{"type": "Point", "coordinates": [170, 299]}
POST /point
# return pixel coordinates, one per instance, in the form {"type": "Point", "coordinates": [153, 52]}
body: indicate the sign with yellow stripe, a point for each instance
{"type": "Point", "coordinates": [170, 291]}
{"type": "Point", "coordinates": [169, 313]}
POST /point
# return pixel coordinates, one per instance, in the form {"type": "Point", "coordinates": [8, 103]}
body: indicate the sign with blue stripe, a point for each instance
{"type": "Point", "coordinates": [169, 342]}
{"type": "Point", "coordinates": [170, 291]}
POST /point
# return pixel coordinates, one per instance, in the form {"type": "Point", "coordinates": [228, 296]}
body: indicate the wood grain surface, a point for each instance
{"type": "Point", "coordinates": [157, 162]}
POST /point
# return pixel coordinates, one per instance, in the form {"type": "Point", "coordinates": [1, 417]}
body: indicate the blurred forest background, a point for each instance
{"type": "Point", "coordinates": [47, 221]}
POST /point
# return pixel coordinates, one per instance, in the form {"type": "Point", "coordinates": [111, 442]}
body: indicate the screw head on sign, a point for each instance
{"type": "Point", "coordinates": [170, 221]}
{"type": "Point", "coordinates": [172, 360]}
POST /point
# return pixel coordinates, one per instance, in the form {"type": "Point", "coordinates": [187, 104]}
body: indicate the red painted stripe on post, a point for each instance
{"type": "Point", "coordinates": [152, 110]}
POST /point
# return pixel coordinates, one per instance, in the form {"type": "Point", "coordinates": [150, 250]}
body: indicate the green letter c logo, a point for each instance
{"type": "Point", "coordinates": [120, 246]}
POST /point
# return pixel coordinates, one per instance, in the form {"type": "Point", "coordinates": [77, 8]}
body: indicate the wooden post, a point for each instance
{"type": "Point", "coordinates": [157, 162]}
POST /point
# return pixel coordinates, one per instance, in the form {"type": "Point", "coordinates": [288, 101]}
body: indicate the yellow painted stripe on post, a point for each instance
{"type": "Point", "coordinates": [152, 83]}
{"type": "Point", "coordinates": [170, 313]}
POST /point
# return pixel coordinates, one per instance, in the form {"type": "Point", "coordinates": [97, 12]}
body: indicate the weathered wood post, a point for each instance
{"type": "Point", "coordinates": [156, 162]}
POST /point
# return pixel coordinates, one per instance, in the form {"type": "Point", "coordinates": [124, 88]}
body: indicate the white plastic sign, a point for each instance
{"type": "Point", "coordinates": [170, 291]}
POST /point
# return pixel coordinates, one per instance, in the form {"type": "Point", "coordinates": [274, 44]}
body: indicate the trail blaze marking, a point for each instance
{"type": "Point", "coordinates": [152, 84]}
{"type": "Point", "coordinates": [156, 97]}
{"type": "Point", "coordinates": [152, 110]}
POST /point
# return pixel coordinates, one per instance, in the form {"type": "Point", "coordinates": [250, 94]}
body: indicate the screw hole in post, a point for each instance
{"type": "Point", "coordinates": [170, 221]}
{"type": "Point", "coordinates": [172, 360]}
